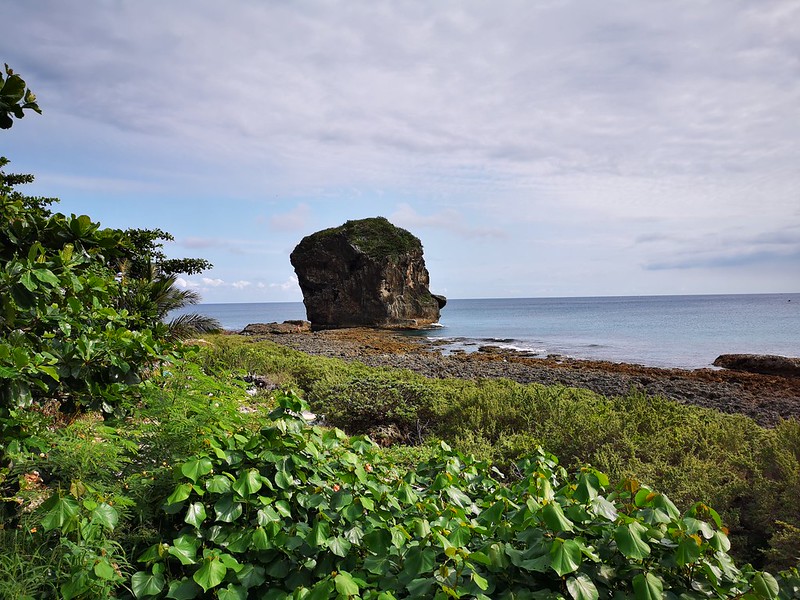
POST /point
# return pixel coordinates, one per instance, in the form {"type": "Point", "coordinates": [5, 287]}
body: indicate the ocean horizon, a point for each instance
{"type": "Point", "coordinates": [679, 331]}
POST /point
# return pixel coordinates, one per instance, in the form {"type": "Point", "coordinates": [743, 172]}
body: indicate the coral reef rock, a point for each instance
{"type": "Point", "coordinates": [365, 273]}
{"type": "Point", "coordinates": [279, 328]}
{"type": "Point", "coordinates": [766, 364]}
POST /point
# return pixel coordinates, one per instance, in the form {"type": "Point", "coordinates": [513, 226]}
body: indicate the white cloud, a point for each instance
{"type": "Point", "coordinates": [294, 220]}
{"type": "Point", "coordinates": [541, 121]}
{"type": "Point", "coordinates": [207, 281]}
{"type": "Point", "coordinates": [289, 284]}
{"type": "Point", "coordinates": [241, 284]}
{"type": "Point", "coordinates": [449, 220]}
{"type": "Point", "coordinates": [186, 284]}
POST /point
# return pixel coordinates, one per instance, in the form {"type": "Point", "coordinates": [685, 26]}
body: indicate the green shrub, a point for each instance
{"type": "Point", "coordinates": [751, 474]}
{"type": "Point", "coordinates": [295, 510]}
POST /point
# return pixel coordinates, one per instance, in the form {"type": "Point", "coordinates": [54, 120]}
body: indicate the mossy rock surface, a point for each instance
{"type": "Point", "coordinates": [376, 237]}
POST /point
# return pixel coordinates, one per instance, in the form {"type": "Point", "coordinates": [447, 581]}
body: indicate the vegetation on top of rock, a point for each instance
{"type": "Point", "coordinates": [376, 237]}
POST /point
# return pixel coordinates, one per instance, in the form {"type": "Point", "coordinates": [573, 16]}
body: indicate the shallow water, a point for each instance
{"type": "Point", "coordinates": [665, 331]}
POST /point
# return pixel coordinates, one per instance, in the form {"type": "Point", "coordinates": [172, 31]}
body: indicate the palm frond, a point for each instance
{"type": "Point", "coordinates": [189, 325]}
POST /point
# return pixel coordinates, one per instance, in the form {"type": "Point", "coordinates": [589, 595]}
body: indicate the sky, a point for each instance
{"type": "Point", "coordinates": [538, 148]}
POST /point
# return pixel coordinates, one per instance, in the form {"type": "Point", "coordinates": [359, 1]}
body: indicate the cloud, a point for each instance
{"type": "Point", "coordinates": [186, 284]}
{"type": "Point", "coordinates": [449, 220]}
{"type": "Point", "coordinates": [209, 282]}
{"type": "Point", "coordinates": [289, 284]}
{"type": "Point", "coordinates": [658, 124]}
{"type": "Point", "coordinates": [241, 284]}
{"type": "Point", "coordinates": [294, 220]}
{"type": "Point", "coordinates": [728, 250]}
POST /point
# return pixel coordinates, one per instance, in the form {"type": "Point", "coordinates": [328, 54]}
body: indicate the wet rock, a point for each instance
{"type": "Point", "coordinates": [277, 328]}
{"type": "Point", "coordinates": [766, 364]}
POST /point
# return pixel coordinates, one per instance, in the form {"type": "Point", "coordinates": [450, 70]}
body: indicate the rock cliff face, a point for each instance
{"type": "Point", "coordinates": [365, 273]}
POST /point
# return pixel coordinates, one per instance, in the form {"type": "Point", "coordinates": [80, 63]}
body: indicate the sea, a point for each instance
{"type": "Point", "coordinates": [662, 331]}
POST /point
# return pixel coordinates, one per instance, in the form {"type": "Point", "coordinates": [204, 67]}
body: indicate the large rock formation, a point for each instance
{"type": "Point", "coordinates": [365, 273]}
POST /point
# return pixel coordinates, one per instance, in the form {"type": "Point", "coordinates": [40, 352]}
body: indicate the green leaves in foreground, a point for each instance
{"type": "Point", "coordinates": [295, 511]}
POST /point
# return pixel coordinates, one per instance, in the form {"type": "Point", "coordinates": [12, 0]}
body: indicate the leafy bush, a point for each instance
{"type": "Point", "coordinates": [295, 510]}
{"type": "Point", "coordinates": [750, 474]}
{"type": "Point", "coordinates": [376, 405]}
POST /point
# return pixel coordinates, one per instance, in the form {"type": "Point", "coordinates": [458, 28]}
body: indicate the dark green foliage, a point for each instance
{"type": "Point", "coordinates": [295, 510]}
{"type": "Point", "coordinates": [144, 251]}
{"type": "Point", "coordinates": [383, 406]}
{"type": "Point", "coordinates": [750, 474]}
{"type": "Point", "coordinates": [376, 237]}
{"type": "Point", "coordinates": [63, 336]}
{"type": "Point", "coordinates": [15, 98]}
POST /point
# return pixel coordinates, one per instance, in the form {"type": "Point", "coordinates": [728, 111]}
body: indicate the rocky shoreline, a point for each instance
{"type": "Point", "coordinates": [765, 398]}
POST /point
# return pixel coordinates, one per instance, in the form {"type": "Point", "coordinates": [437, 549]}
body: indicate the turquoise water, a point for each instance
{"type": "Point", "coordinates": [665, 331]}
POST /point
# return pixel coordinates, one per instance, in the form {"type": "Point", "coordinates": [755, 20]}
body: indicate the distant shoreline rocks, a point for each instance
{"type": "Point", "coordinates": [766, 364]}
{"type": "Point", "coordinates": [284, 328]}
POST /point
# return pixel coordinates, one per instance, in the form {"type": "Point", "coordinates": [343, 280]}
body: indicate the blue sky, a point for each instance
{"type": "Point", "coordinates": [537, 148]}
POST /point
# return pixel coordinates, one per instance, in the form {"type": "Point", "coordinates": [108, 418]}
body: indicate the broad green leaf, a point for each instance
{"type": "Point", "coordinates": [232, 592]}
{"type": "Point", "coordinates": [460, 536]}
{"type": "Point", "coordinates": [480, 581]}
{"type": "Point", "coordinates": [581, 587]}
{"type": "Point", "coordinates": [378, 541]}
{"type": "Point", "coordinates": [227, 510]}
{"type": "Point", "coordinates": [377, 565]}
{"type": "Point", "coordinates": [406, 495]}
{"type": "Point", "coordinates": [345, 584]}
{"type": "Point", "coordinates": [196, 468]}
{"type": "Point", "coordinates": [720, 542]}
{"type": "Point", "coordinates": [185, 589]}
{"type": "Point", "coordinates": [181, 493]}
{"type": "Point", "coordinates": [420, 561]}
{"type": "Point", "coordinates": [210, 574]}
{"type": "Point", "coordinates": [765, 586]}
{"type": "Point", "coordinates": [147, 584]}
{"type": "Point", "coordinates": [104, 570]}
{"type": "Point", "coordinates": [248, 483]}
{"type": "Point", "coordinates": [587, 488]}
{"type": "Point", "coordinates": [630, 542]}
{"type": "Point", "coordinates": [492, 515]}
{"type": "Point", "coordinates": [195, 514]}
{"type": "Point", "coordinates": [63, 515]}
{"type": "Point", "coordinates": [267, 515]}
{"type": "Point", "coordinates": [321, 591]}
{"type": "Point", "coordinates": [554, 517]}
{"type": "Point", "coordinates": [697, 526]}
{"type": "Point", "coordinates": [46, 276]}
{"type": "Point", "coordinates": [184, 548]}
{"type": "Point", "coordinates": [648, 587]}
{"type": "Point", "coordinates": [339, 546]}
{"type": "Point", "coordinates": [458, 497]}
{"type": "Point", "coordinates": [283, 481]}
{"type": "Point", "coordinates": [76, 586]}
{"type": "Point", "coordinates": [106, 515]}
{"type": "Point", "coordinates": [251, 576]}
{"type": "Point", "coordinates": [319, 534]}
{"type": "Point", "coordinates": [688, 551]}
{"type": "Point", "coordinates": [603, 508]}
{"type": "Point", "coordinates": [218, 484]}
{"type": "Point", "coordinates": [260, 540]}
{"type": "Point", "coordinates": [565, 556]}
